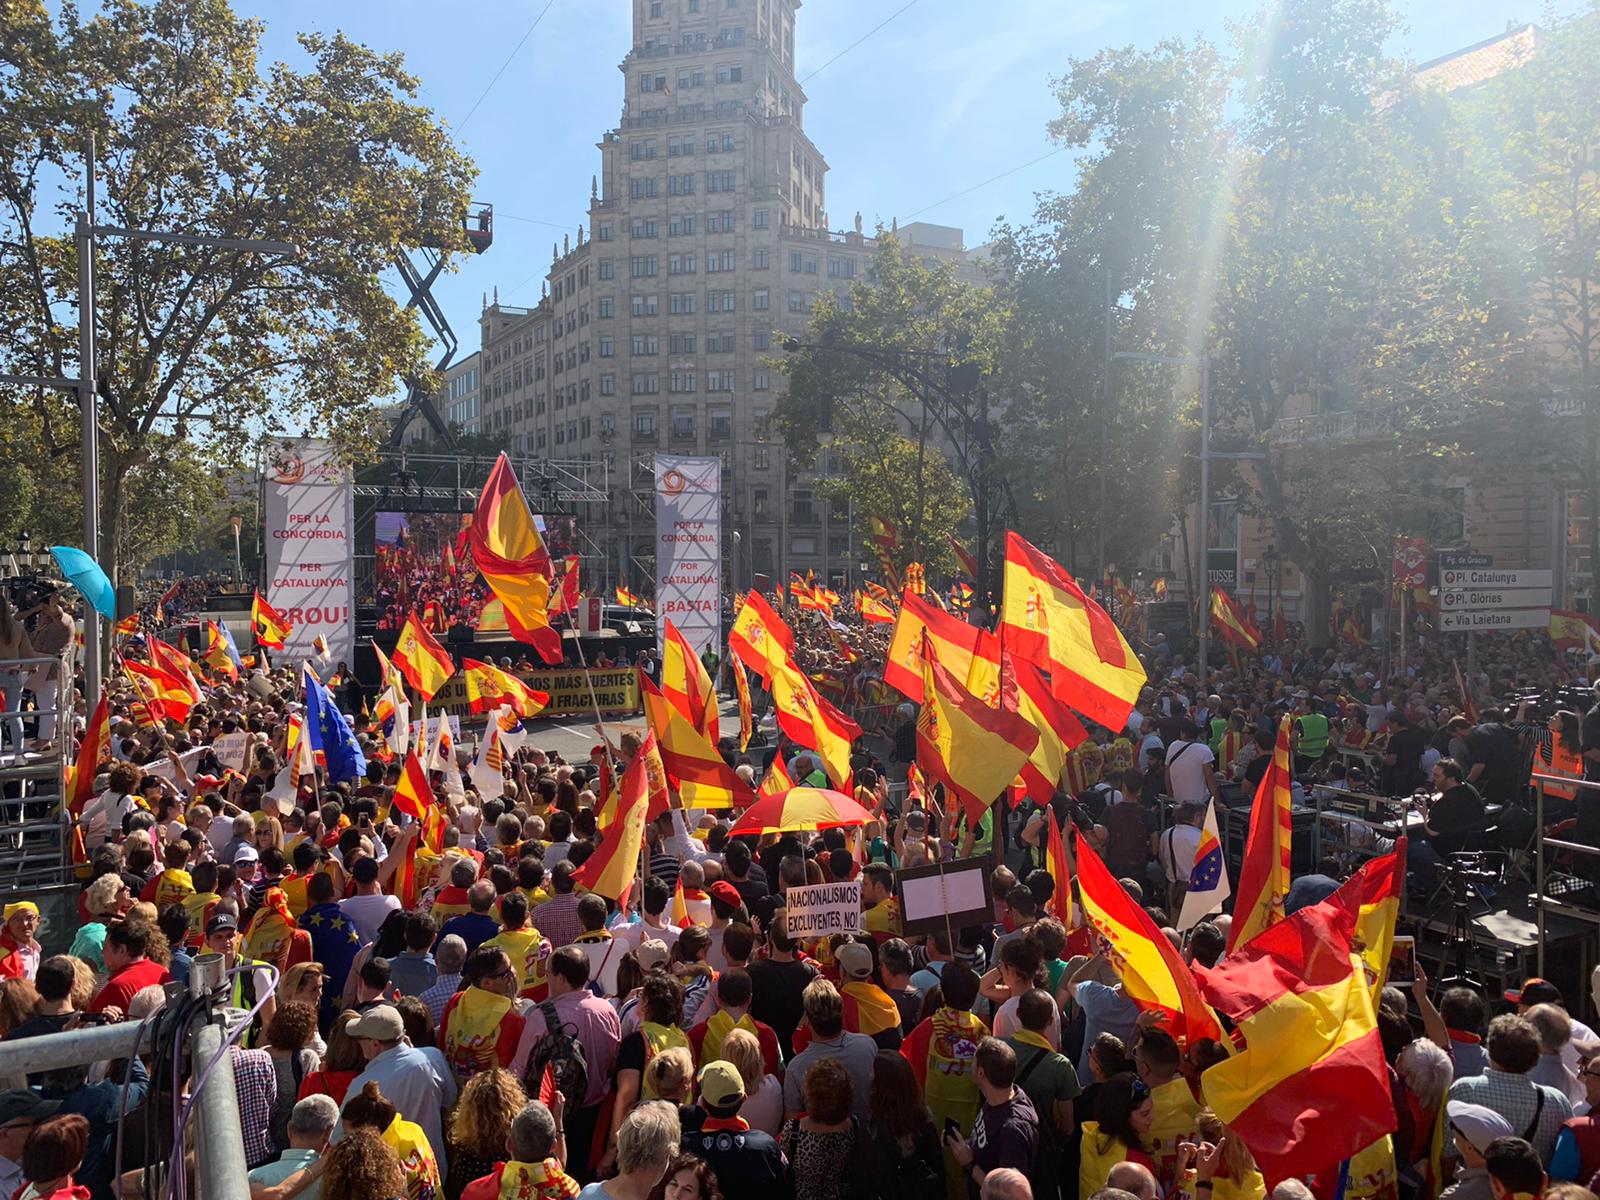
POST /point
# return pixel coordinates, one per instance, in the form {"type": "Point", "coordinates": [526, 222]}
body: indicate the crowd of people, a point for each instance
{"type": "Point", "coordinates": [468, 1022]}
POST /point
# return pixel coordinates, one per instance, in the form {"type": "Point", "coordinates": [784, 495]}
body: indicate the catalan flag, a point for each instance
{"type": "Point", "coordinates": [1047, 619]}
{"type": "Point", "coordinates": [270, 626]}
{"type": "Point", "coordinates": [1232, 623]}
{"type": "Point", "coordinates": [1264, 873]}
{"type": "Point", "coordinates": [1154, 975]}
{"type": "Point", "coordinates": [488, 687]}
{"type": "Point", "coordinates": [420, 658]}
{"type": "Point", "coordinates": [1310, 1088]}
{"type": "Point", "coordinates": [611, 870]}
{"type": "Point", "coordinates": [510, 554]}
{"type": "Point", "coordinates": [916, 579]}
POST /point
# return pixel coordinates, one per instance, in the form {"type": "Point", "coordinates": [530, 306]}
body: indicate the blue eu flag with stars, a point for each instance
{"type": "Point", "coordinates": [331, 733]}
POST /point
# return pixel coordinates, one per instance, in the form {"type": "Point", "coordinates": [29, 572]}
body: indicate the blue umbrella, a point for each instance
{"type": "Point", "coordinates": [86, 575]}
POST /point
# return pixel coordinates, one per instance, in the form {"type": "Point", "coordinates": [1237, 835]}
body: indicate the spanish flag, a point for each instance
{"type": "Point", "coordinates": [759, 637]}
{"type": "Point", "coordinates": [777, 778]}
{"type": "Point", "coordinates": [508, 551]}
{"type": "Point", "coordinates": [1060, 732]}
{"type": "Point", "coordinates": [874, 611]}
{"type": "Point", "coordinates": [1264, 873]}
{"type": "Point", "coordinates": [627, 599]}
{"type": "Point", "coordinates": [420, 658]}
{"type": "Point", "coordinates": [805, 595]}
{"type": "Point", "coordinates": [686, 684]}
{"type": "Point", "coordinates": [92, 751]}
{"type": "Point", "coordinates": [128, 626]}
{"type": "Point", "coordinates": [811, 721]}
{"type": "Point", "coordinates": [222, 656]}
{"type": "Point", "coordinates": [413, 795]}
{"type": "Point", "coordinates": [693, 764]}
{"type": "Point", "coordinates": [1310, 1088]}
{"type": "Point", "coordinates": [488, 687]}
{"type": "Point", "coordinates": [954, 643]}
{"type": "Point", "coordinates": [1154, 975]}
{"type": "Point", "coordinates": [968, 563]}
{"type": "Point", "coordinates": [270, 626]}
{"type": "Point", "coordinates": [165, 695]}
{"type": "Point", "coordinates": [741, 685]}
{"type": "Point", "coordinates": [566, 593]}
{"type": "Point", "coordinates": [1382, 887]}
{"type": "Point", "coordinates": [974, 750]}
{"type": "Point", "coordinates": [176, 664]}
{"type": "Point", "coordinates": [1047, 619]}
{"type": "Point", "coordinates": [1231, 622]}
{"type": "Point", "coordinates": [1060, 868]}
{"type": "Point", "coordinates": [612, 868]}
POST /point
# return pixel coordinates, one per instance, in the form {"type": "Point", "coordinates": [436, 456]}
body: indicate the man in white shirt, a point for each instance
{"type": "Point", "coordinates": [1176, 847]}
{"type": "Point", "coordinates": [1191, 769]}
{"type": "Point", "coordinates": [369, 906]}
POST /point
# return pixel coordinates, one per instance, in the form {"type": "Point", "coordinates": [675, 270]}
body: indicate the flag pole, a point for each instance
{"type": "Point", "coordinates": [594, 699]}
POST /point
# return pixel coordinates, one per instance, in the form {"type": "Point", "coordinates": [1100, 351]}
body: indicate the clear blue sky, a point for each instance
{"type": "Point", "coordinates": [947, 95]}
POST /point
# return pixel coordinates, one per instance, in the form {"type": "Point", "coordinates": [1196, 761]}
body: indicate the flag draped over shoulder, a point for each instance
{"type": "Point", "coordinates": [1232, 623]}
{"type": "Point", "coordinates": [1310, 1088]}
{"type": "Point", "coordinates": [1047, 619]}
{"type": "Point", "coordinates": [420, 659]}
{"type": "Point", "coordinates": [270, 626]}
{"type": "Point", "coordinates": [686, 684]}
{"type": "Point", "coordinates": [612, 868]}
{"type": "Point", "coordinates": [954, 644]}
{"type": "Point", "coordinates": [510, 554]}
{"type": "Point", "coordinates": [1153, 973]}
{"type": "Point", "coordinates": [1264, 872]}
{"type": "Point", "coordinates": [974, 750]}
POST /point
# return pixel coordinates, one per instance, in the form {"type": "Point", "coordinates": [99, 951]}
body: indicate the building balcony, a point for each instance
{"type": "Point", "coordinates": [1356, 425]}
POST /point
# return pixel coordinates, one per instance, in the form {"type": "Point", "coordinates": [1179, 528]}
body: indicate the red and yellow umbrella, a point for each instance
{"type": "Point", "coordinates": [801, 808]}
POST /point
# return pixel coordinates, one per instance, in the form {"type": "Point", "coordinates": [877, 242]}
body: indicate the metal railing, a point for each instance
{"type": "Point", "coordinates": [1543, 903]}
{"type": "Point", "coordinates": [34, 844]}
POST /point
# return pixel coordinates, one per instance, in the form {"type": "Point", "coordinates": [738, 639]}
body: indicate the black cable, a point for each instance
{"type": "Point", "coordinates": [814, 73]}
{"type": "Point", "coordinates": [503, 67]}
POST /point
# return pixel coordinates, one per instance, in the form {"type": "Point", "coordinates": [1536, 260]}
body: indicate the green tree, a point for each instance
{"type": "Point", "coordinates": [909, 331]}
{"type": "Point", "coordinates": [201, 348]}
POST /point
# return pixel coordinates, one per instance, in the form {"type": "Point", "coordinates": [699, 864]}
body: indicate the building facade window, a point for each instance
{"type": "Point", "coordinates": [760, 300]}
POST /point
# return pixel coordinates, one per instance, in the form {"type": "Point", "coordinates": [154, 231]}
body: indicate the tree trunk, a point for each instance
{"type": "Point", "coordinates": [1314, 604]}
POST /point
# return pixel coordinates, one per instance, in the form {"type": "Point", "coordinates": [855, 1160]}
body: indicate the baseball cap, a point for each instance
{"type": "Point", "coordinates": [222, 922]}
{"type": "Point", "coordinates": [1535, 991]}
{"type": "Point", "coordinates": [19, 1103]}
{"type": "Point", "coordinates": [652, 953]}
{"type": "Point", "coordinates": [724, 891]}
{"type": "Point", "coordinates": [854, 959]}
{"type": "Point", "coordinates": [1479, 1125]}
{"type": "Point", "coordinates": [245, 854]}
{"type": "Point", "coordinates": [721, 1085]}
{"type": "Point", "coordinates": [381, 1023]}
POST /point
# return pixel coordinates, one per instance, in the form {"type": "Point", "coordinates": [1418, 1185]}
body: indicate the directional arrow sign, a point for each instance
{"type": "Point", "coordinates": [1490, 620]}
{"type": "Point", "coordinates": [1474, 598]}
{"type": "Point", "coordinates": [1491, 577]}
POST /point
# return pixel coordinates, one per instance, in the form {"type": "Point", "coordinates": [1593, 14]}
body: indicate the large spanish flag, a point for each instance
{"type": "Point", "coordinates": [270, 626]}
{"type": "Point", "coordinates": [1382, 887]}
{"type": "Point", "coordinates": [507, 549]}
{"type": "Point", "coordinates": [874, 611]}
{"type": "Point", "coordinates": [954, 643]}
{"type": "Point", "coordinates": [1047, 619]}
{"type": "Point", "coordinates": [1154, 975]}
{"type": "Point", "coordinates": [176, 664]}
{"type": "Point", "coordinates": [759, 636]}
{"type": "Point", "coordinates": [688, 687]}
{"type": "Point", "coordinates": [164, 694]}
{"type": "Point", "coordinates": [693, 764]}
{"type": "Point", "coordinates": [612, 868]}
{"type": "Point", "coordinates": [1265, 873]}
{"type": "Point", "coordinates": [488, 687]}
{"type": "Point", "coordinates": [420, 659]}
{"type": "Point", "coordinates": [811, 721]}
{"type": "Point", "coordinates": [1060, 732]}
{"type": "Point", "coordinates": [1310, 1088]}
{"type": "Point", "coordinates": [974, 750]}
{"type": "Point", "coordinates": [1232, 623]}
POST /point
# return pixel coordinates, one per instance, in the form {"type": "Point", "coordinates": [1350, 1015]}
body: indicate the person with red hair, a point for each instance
{"type": "Point", "coordinates": [52, 1155]}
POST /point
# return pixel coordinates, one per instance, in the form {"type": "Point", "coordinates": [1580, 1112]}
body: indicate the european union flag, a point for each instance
{"type": "Point", "coordinates": [331, 733]}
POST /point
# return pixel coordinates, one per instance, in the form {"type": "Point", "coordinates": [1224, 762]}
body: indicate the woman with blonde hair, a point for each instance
{"type": "Point", "coordinates": [1236, 1177]}
{"type": "Point", "coordinates": [670, 1075]}
{"type": "Point", "coordinates": [268, 832]}
{"type": "Point", "coordinates": [763, 1093]}
{"type": "Point", "coordinates": [107, 899]}
{"type": "Point", "coordinates": [85, 984]}
{"type": "Point", "coordinates": [482, 1123]}
{"type": "Point", "coordinates": [362, 1167]}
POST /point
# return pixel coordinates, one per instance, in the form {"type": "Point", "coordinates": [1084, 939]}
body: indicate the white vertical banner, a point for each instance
{"type": "Point", "coordinates": [689, 548]}
{"type": "Point", "coordinates": [310, 540]}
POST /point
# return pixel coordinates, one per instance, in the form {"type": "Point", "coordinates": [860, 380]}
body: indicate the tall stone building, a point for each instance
{"type": "Point", "coordinates": [707, 242]}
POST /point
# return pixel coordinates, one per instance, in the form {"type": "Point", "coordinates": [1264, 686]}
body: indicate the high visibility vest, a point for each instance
{"type": "Point", "coordinates": [1313, 735]}
{"type": "Point", "coordinates": [1563, 762]}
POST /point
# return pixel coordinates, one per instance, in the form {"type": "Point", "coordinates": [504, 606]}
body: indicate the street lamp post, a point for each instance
{"type": "Point", "coordinates": [237, 522]}
{"type": "Point", "coordinates": [1270, 557]}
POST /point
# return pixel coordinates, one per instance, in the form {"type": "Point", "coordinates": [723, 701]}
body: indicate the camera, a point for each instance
{"type": "Point", "coordinates": [1474, 866]}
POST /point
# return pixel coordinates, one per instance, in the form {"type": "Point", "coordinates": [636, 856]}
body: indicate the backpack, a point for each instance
{"type": "Point", "coordinates": [561, 1053]}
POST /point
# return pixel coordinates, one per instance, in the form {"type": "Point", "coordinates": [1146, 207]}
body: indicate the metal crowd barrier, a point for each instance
{"type": "Point", "coordinates": [1543, 902]}
{"type": "Point", "coordinates": [35, 841]}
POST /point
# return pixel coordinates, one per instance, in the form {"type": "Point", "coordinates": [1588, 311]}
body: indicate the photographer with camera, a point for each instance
{"type": "Point", "coordinates": [1450, 818]}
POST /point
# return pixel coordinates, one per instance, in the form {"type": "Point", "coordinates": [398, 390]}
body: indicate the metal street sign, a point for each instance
{"type": "Point", "coordinates": [1489, 577]}
{"type": "Point", "coordinates": [1475, 598]}
{"type": "Point", "coordinates": [1493, 620]}
{"type": "Point", "coordinates": [1449, 560]}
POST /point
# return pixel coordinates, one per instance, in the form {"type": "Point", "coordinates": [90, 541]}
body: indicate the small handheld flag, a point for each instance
{"type": "Point", "coordinates": [1208, 878]}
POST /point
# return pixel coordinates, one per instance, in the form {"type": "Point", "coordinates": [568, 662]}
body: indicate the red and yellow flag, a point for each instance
{"type": "Point", "coordinates": [811, 721]}
{"type": "Point", "coordinates": [166, 696]}
{"type": "Point", "coordinates": [1310, 1088]}
{"type": "Point", "coordinates": [759, 637]}
{"type": "Point", "coordinates": [964, 557]}
{"type": "Point", "coordinates": [92, 751]}
{"type": "Point", "coordinates": [270, 626]}
{"type": "Point", "coordinates": [874, 611]}
{"type": "Point", "coordinates": [176, 664]}
{"type": "Point", "coordinates": [693, 764]}
{"type": "Point", "coordinates": [1047, 619]}
{"type": "Point", "coordinates": [1154, 975]}
{"type": "Point", "coordinates": [219, 652]}
{"type": "Point", "coordinates": [627, 599]}
{"type": "Point", "coordinates": [612, 868]}
{"type": "Point", "coordinates": [565, 598]}
{"type": "Point", "coordinates": [777, 779]}
{"type": "Point", "coordinates": [686, 684]}
{"type": "Point", "coordinates": [1056, 862]}
{"type": "Point", "coordinates": [1060, 732]}
{"type": "Point", "coordinates": [1232, 623]}
{"type": "Point", "coordinates": [1264, 873]}
{"type": "Point", "coordinates": [508, 551]}
{"type": "Point", "coordinates": [420, 659]}
{"type": "Point", "coordinates": [488, 687]}
{"type": "Point", "coordinates": [1382, 889]}
{"type": "Point", "coordinates": [954, 644]}
{"type": "Point", "coordinates": [741, 685]}
{"type": "Point", "coordinates": [974, 750]}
